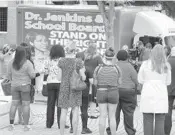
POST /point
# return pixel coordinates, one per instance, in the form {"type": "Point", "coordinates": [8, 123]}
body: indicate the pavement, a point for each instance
{"type": "Point", "coordinates": [38, 120]}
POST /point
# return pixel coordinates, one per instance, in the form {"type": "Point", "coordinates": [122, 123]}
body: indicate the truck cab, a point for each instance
{"type": "Point", "coordinates": [154, 27]}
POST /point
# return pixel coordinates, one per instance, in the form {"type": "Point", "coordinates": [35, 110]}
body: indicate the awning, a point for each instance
{"type": "Point", "coordinates": [153, 23]}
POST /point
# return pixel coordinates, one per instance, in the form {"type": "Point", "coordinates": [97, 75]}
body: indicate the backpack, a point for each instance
{"type": "Point", "coordinates": [101, 66]}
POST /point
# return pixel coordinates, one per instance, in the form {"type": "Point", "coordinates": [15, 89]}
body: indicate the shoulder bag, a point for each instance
{"type": "Point", "coordinates": [76, 83]}
{"type": "Point", "coordinates": [6, 87]}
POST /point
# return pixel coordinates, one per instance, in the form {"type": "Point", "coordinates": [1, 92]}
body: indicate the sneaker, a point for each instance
{"type": "Point", "coordinates": [71, 130]}
{"type": "Point", "coordinates": [27, 128]}
{"type": "Point", "coordinates": [86, 131]}
{"type": "Point", "coordinates": [30, 123]}
{"type": "Point", "coordinates": [49, 127]}
{"type": "Point", "coordinates": [93, 117]}
{"type": "Point", "coordinates": [21, 122]}
{"type": "Point", "coordinates": [11, 127]}
{"type": "Point", "coordinates": [108, 131]}
{"type": "Point", "coordinates": [66, 127]}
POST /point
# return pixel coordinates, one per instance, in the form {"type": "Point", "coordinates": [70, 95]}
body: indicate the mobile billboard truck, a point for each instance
{"type": "Point", "coordinates": [44, 26]}
{"type": "Point", "coordinates": [57, 24]}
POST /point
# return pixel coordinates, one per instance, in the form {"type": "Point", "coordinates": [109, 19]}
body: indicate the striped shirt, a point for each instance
{"type": "Point", "coordinates": [107, 75]}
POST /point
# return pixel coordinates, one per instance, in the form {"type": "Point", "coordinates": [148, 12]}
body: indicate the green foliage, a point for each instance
{"type": "Point", "coordinates": [169, 7]}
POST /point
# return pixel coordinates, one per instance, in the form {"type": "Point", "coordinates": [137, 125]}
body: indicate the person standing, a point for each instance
{"type": "Point", "coordinates": [28, 57]}
{"type": "Point", "coordinates": [91, 61]}
{"type": "Point", "coordinates": [155, 75]}
{"type": "Point", "coordinates": [127, 93]}
{"type": "Point", "coordinates": [171, 93]}
{"type": "Point", "coordinates": [6, 56]}
{"type": "Point", "coordinates": [53, 84]}
{"type": "Point", "coordinates": [20, 72]}
{"type": "Point", "coordinates": [107, 78]}
{"type": "Point", "coordinates": [67, 97]}
{"type": "Point", "coordinates": [167, 51]}
{"type": "Point", "coordinates": [144, 52]}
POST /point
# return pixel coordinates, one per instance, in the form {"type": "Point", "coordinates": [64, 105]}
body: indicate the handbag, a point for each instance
{"type": "Point", "coordinates": [6, 87]}
{"type": "Point", "coordinates": [76, 82]}
{"type": "Point", "coordinates": [45, 90]}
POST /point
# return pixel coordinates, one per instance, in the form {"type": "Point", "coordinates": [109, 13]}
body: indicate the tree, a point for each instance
{"type": "Point", "coordinates": [108, 15]}
{"type": "Point", "coordinates": [169, 7]}
{"type": "Point", "coordinates": [107, 9]}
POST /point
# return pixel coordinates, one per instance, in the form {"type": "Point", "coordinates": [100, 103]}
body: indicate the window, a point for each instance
{"type": "Point", "coordinates": [152, 40]}
{"type": "Point", "coordinates": [3, 19]}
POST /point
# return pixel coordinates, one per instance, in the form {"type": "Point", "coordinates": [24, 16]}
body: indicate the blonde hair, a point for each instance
{"type": "Point", "coordinates": [158, 59]}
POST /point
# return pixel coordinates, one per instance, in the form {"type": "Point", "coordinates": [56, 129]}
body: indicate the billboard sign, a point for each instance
{"type": "Point", "coordinates": [44, 27]}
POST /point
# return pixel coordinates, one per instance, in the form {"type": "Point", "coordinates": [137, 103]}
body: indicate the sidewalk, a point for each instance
{"type": "Point", "coordinates": [38, 119]}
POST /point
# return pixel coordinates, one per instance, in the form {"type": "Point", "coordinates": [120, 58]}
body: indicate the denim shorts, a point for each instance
{"type": "Point", "coordinates": [21, 93]}
{"type": "Point", "coordinates": [108, 96]}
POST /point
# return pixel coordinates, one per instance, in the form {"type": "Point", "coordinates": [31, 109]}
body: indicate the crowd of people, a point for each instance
{"type": "Point", "coordinates": [111, 81]}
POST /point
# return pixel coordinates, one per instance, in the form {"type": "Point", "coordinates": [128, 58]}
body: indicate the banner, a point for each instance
{"type": "Point", "coordinates": [43, 28]}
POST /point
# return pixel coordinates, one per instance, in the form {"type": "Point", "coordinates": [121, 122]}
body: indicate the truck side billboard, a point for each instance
{"type": "Point", "coordinates": [58, 26]}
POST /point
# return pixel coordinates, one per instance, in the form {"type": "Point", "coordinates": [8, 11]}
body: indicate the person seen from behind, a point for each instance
{"type": "Point", "coordinates": [107, 78]}
{"type": "Point", "coordinates": [28, 57]}
{"type": "Point", "coordinates": [171, 93]}
{"type": "Point", "coordinates": [154, 75]}
{"type": "Point", "coordinates": [20, 72]}
{"type": "Point", "coordinates": [91, 61]}
{"type": "Point", "coordinates": [53, 84]}
{"type": "Point", "coordinates": [70, 98]}
{"type": "Point", "coordinates": [127, 93]}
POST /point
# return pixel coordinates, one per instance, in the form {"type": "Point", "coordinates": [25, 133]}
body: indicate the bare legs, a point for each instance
{"type": "Point", "coordinates": [25, 111]}
{"type": "Point", "coordinates": [20, 115]}
{"type": "Point", "coordinates": [111, 112]}
{"type": "Point", "coordinates": [75, 116]}
{"type": "Point", "coordinates": [63, 120]}
{"type": "Point", "coordinates": [13, 109]}
{"type": "Point", "coordinates": [103, 116]}
{"type": "Point", "coordinates": [107, 109]}
{"type": "Point", "coordinates": [75, 113]}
